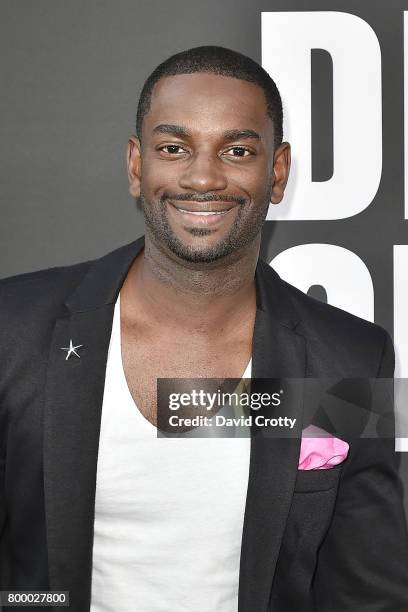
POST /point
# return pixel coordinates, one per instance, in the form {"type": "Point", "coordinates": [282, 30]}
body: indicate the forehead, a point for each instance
{"type": "Point", "coordinates": [208, 103]}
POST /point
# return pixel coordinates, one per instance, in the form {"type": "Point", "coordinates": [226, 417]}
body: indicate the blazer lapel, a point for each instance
{"type": "Point", "coordinates": [278, 352]}
{"type": "Point", "coordinates": [72, 415]}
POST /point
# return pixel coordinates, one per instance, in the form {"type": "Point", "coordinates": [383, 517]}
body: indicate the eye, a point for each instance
{"type": "Point", "coordinates": [172, 149]}
{"type": "Point", "coordinates": [239, 152]}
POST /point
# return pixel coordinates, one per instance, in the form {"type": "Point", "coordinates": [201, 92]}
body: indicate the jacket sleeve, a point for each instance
{"type": "Point", "coordinates": [2, 492]}
{"type": "Point", "coordinates": [2, 495]}
{"type": "Point", "coordinates": [2, 500]}
{"type": "Point", "coordinates": [363, 561]}
{"type": "Point", "coordinates": [3, 438]}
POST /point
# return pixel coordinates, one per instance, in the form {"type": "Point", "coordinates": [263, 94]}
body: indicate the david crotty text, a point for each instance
{"type": "Point", "coordinates": [222, 421]}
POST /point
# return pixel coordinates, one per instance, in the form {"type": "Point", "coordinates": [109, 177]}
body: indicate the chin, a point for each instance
{"type": "Point", "coordinates": [194, 254]}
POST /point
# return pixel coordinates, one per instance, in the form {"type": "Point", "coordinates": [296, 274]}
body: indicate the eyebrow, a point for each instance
{"type": "Point", "coordinates": [169, 128]}
{"type": "Point", "coordinates": [238, 134]}
{"type": "Point", "coordinates": [179, 130]}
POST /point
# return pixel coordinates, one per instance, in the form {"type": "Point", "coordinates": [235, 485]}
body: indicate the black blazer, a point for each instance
{"type": "Point", "coordinates": [326, 541]}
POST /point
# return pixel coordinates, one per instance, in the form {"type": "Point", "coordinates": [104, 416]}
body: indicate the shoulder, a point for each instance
{"type": "Point", "coordinates": [31, 302]}
{"type": "Point", "coordinates": [44, 288]}
{"type": "Point", "coordinates": [339, 341]}
{"type": "Point", "coordinates": [331, 318]}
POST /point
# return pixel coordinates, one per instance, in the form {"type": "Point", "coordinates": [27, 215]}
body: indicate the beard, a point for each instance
{"type": "Point", "coordinates": [246, 227]}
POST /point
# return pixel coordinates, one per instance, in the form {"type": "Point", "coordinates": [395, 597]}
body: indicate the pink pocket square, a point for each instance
{"type": "Point", "coordinates": [320, 450]}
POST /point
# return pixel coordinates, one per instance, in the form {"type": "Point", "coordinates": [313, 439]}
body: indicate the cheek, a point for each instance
{"type": "Point", "coordinates": [256, 183]}
{"type": "Point", "coordinates": [265, 181]}
{"type": "Point", "coordinates": [158, 176]}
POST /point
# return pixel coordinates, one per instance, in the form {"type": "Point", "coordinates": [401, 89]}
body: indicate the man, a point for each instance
{"type": "Point", "coordinates": [92, 501]}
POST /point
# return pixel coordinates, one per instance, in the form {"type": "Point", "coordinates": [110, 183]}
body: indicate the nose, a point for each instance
{"type": "Point", "coordinates": [203, 173]}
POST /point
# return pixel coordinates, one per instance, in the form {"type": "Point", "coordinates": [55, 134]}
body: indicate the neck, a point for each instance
{"type": "Point", "coordinates": [194, 296]}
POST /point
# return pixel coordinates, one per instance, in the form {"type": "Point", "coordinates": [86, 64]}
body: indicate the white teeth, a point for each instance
{"type": "Point", "coordinates": [191, 212]}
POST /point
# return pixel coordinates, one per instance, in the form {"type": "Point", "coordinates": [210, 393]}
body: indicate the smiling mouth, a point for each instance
{"type": "Point", "coordinates": [203, 208]}
{"type": "Point", "coordinates": [202, 212]}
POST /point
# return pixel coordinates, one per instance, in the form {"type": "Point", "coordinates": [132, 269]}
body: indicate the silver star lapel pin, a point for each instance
{"type": "Point", "coordinates": [71, 350]}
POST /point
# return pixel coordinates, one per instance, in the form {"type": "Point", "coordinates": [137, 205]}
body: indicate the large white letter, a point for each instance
{"type": "Point", "coordinates": [319, 264]}
{"type": "Point", "coordinates": [401, 344]}
{"type": "Point", "coordinates": [287, 40]}
{"type": "Point", "coordinates": [406, 110]}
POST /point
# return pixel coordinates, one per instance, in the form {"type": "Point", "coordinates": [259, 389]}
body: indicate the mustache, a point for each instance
{"type": "Point", "coordinates": [202, 197]}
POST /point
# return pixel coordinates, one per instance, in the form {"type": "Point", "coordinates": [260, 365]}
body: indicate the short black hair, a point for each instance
{"type": "Point", "coordinates": [221, 61]}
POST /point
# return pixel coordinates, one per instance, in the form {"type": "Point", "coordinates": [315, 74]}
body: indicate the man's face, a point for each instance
{"type": "Point", "coordinates": [206, 170]}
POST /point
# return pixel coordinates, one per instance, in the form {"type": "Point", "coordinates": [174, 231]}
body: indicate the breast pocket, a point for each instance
{"type": "Point", "coordinates": [308, 481]}
{"type": "Point", "coordinates": [309, 519]}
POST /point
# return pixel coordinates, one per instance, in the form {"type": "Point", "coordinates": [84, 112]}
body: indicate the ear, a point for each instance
{"type": "Point", "coordinates": [134, 165]}
{"type": "Point", "coordinates": [281, 167]}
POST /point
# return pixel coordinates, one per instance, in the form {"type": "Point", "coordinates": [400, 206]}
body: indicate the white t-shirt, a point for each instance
{"type": "Point", "coordinates": [168, 511]}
